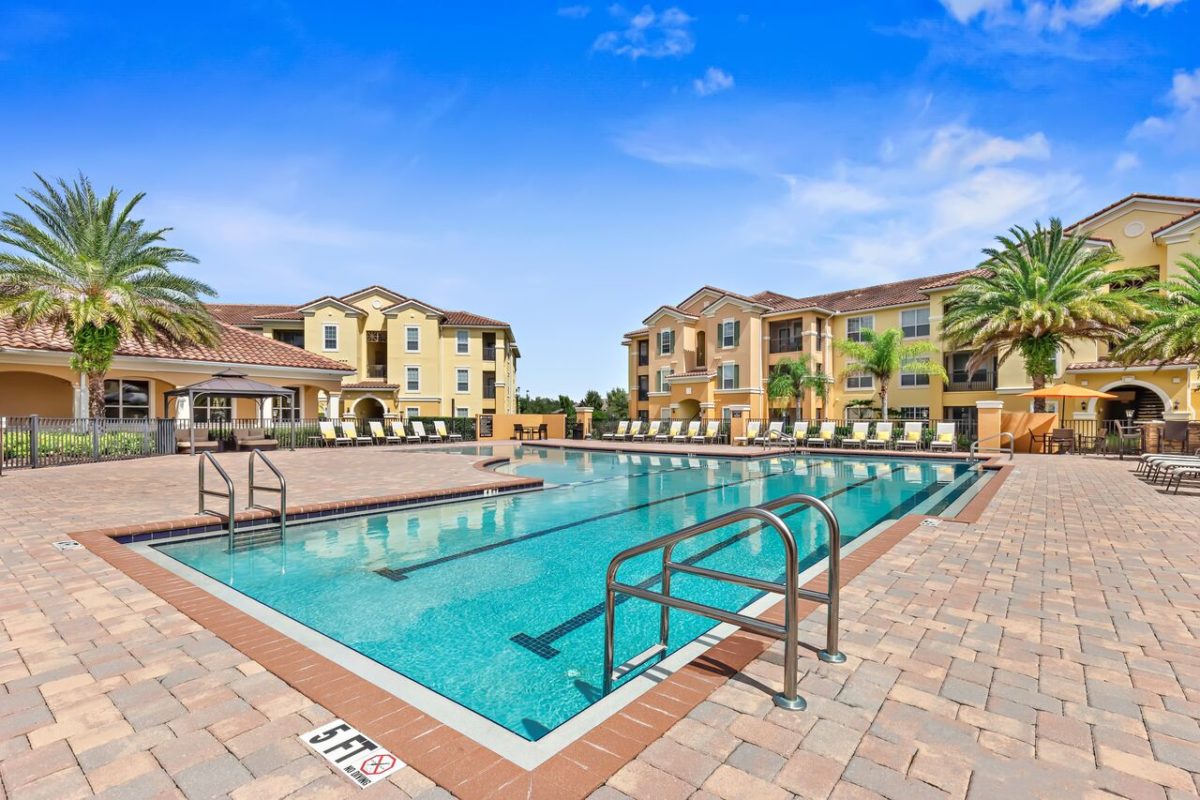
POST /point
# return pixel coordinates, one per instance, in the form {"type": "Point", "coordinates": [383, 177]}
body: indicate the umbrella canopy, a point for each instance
{"type": "Point", "coordinates": [1068, 391]}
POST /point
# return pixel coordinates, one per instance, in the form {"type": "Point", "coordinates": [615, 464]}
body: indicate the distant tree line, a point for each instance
{"type": "Point", "coordinates": [613, 405]}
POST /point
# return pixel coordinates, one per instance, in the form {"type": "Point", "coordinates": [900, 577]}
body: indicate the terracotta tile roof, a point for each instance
{"type": "Point", "coordinates": [289, 312]}
{"type": "Point", "coordinates": [952, 279]}
{"type": "Point", "coordinates": [638, 332]}
{"type": "Point", "coordinates": [1119, 365]}
{"type": "Point", "coordinates": [1179, 221]}
{"type": "Point", "coordinates": [236, 346]}
{"type": "Point", "coordinates": [244, 314]}
{"type": "Point", "coordinates": [1126, 199]}
{"type": "Point", "coordinates": [467, 318]}
{"type": "Point", "coordinates": [370, 385]}
{"type": "Point", "coordinates": [882, 295]}
{"type": "Point", "coordinates": [772, 299]}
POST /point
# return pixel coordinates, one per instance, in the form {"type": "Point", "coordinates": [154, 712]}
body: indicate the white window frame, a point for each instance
{"type": "Point", "coordinates": [462, 412]}
{"type": "Point", "coordinates": [663, 374]}
{"type": "Point", "coordinates": [917, 325]}
{"type": "Point", "coordinates": [914, 380]}
{"type": "Point", "coordinates": [865, 381]}
{"type": "Point", "coordinates": [728, 368]}
{"type": "Point", "coordinates": [462, 376]}
{"type": "Point", "coordinates": [664, 336]}
{"type": "Point", "coordinates": [865, 322]}
{"type": "Point", "coordinates": [731, 323]}
{"type": "Point", "coordinates": [462, 342]}
{"type": "Point", "coordinates": [412, 411]}
{"type": "Point", "coordinates": [337, 336]}
{"type": "Point", "coordinates": [905, 413]}
{"type": "Point", "coordinates": [408, 369]}
{"type": "Point", "coordinates": [121, 405]}
{"type": "Point", "coordinates": [408, 348]}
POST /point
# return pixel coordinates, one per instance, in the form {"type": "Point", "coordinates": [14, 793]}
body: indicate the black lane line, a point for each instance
{"type": "Point", "coordinates": [542, 643]}
{"type": "Point", "coordinates": [402, 572]}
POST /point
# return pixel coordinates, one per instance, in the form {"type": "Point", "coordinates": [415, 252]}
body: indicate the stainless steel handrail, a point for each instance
{"type": "Point", "coordinates": [229, 493]}
{"type": "Point", "coordinates": [1012, 445]}
{"type": "Point", "coordinates": [790, 589]}
{"type": "Point", "coordinates": [280, 490]}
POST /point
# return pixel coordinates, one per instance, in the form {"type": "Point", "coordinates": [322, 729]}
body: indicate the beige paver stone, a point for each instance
{"type": "Point", "coordinates": [730, 783]}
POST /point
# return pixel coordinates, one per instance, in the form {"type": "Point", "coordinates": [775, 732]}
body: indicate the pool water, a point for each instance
{"type": "Point", "coordinates": [497, 603]}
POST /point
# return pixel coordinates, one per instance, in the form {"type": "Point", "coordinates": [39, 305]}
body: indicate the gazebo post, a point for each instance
{"type": "Point", "coordinates": [192, 420]}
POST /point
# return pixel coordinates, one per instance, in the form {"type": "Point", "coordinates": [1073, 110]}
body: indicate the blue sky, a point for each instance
{"type": "Point", "coordinates": [568, 167]}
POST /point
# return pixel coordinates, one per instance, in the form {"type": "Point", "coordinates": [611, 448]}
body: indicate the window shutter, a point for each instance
{"type": "Point", "coordinates": [671, 337]}
{"type": "Point", "coordinates": [737, 382]}
{"type": "Point", "coordinates": [737, 332]}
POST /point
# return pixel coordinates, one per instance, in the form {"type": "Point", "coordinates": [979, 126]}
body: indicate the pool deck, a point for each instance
{"type": "Point", "coordinates": [1047, 648]}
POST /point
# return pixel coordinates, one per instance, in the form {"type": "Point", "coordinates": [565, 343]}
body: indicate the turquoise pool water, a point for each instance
{"type": "Point", "coordinates": [497, 603]}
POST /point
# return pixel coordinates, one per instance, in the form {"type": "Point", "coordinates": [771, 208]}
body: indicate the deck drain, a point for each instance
{"type": "Point", "coordinates": [68, 544]}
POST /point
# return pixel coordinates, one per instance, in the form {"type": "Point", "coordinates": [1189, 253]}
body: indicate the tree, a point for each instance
{"type": "Point", "coordinates": [792, 379]}
{"type": "Point", "coordinates": [883, 354]}
{"type": "Point", "coordinates": [86, 267]}
{"type": "Point", "coordinates": [616, 403]}
{"type": "Point", "coordinates": [1173, 329]}
{"type": "Point", "coordinates": [1036, 293]}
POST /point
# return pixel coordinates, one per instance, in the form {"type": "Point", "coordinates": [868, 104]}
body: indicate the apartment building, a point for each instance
{"type": "Point", "coordinates": [711, 353]}
{"type": "Point", "coordinates": [405, 356]}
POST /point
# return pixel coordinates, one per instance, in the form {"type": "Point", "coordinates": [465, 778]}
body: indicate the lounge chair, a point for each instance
{"type": "Point", "coordinates": [911, 438]}
{"type": "Point", "coordinates": [752, 429]}
{"type": "Point", "coordinates": [398, 431]}
{"type": "Point", "coordinates": [254, 439]}
{"type": "Point", "coordinates": [651, 431]}
{"type": "Point", "coordinates": [671, 433]}
{"type": "Point", "coordinates": [825, 435]}
{"type": "Point", "coordinates": [409, 438]}
{"type": "Point", "coordinates": [858, 435]}
{"type": "Point", "coordinates": [773, 432]}
{"type": "Point", "coordinates": [1177, 476]}
{"type": "Point", "coordinates": [943, 438]}
{"type": "Point", "coordinates": [440, 427]}
{"type": "Point", "coordinates": [711, 429]}
{"type": "Point", "coordinates": [379, 435]}
{"type": "Point", "coordinates": [634, 427]}
{"type": "Point", "coordinates": [693, 430]}
{"type": "Point", "coordinates": [419, 429]}
{"type": "Point", "coordinates": [351, 433]}
{"type": "Point", "coordinates": [204, 440]}
{"type": "Point", "coordinates": [619, 433]}
{"type": "Point", "coordinates": [329, 434]}
{"type": "Point", "coordinates": [883, 435]}
{"type": "Point", "coordinates": [800, 430]}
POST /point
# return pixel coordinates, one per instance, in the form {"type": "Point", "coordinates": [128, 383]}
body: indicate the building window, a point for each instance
{"type": "Point", "coordinates": [663, 374]}
{"type": "Point", "coordinates": [729, 376]}
{"type": "Point", "coordinates": [856, 325]}
{"type": "Point", "coordinates": [212, 408]}
{"type": "Point", "coordinates": [729, 333]}
{"type": "Point", "coordinates": [463, 380]}
{"type": "Point", "coordinates": [412, 379]}
{"type": "Point", "coordinates": [412, 339]}
{"type": "Point", "coordinates": [858, 380]}
{"type": "Point", "coordinates": [914, 412]}
{"type": "Point", "coordinates": [462, 413]}
{"type": "Point", "coordinates": [294, 338]}
{"type": "Point", "coordinates": [666, 342]}
{"type": "Point", "coordinates": [412, 411]}
{"type": "Point", "coordinates": [462, 342]}
{"type": "Point", "coordinates": [643, 386]}
{"type": "Point", "coordinates": [915, 322]}
{"type": "Point", "coordinates": [286, 409]}
{"type": "Point", "coordinates": [913, 378]}
{"type": "Point", "coordinates": [126, 399]}
{"type": "Point", "coordinates": [330, 336]}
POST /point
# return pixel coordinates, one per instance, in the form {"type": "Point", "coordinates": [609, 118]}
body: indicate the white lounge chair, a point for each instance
{"type": "Point", "coordinates": [380, 435]}
{"type": "Point", "coordinates": [752, 429]}
{"type": "Point", "coordinates": [773, 432]}
{"type": "Point", "coordinates": [671, 433]}
{"type": "Point", "coordinates": [911, 438]}
{"type": "Point", "coordinates": [634, 427]}
{"type": "Point", "coordinates": [351, 433]}
{"type": "Point", "coordinates": [825, 435]}
{"type": "Point", "coordinates": [711, 429]}
{"type": "Point", "coordinates": [398, 430]}
{"type": "Point", "coordinates": [329, 434]}
{"type": "Point", "coordinates": [883, 435]}
{"type": "Point", "coordinates": [419, 429]}
{"type": "Point", "coordinates": [858, 435]}
{"type": "Point", "coordinates": [650, 432]}
{"type": "Point", "coordinates": [440, 427]}
{"type": "Point", "coordinates": [693, 430]}
{"type": "Point", "coordinates": [619, 433]}
{"type": "Point", "coordinates": [944, 437]}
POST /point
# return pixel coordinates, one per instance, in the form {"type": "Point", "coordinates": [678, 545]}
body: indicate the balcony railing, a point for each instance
{"type": "Point", "coordinates": [489, 353]}
{"type": "Point", "coordinates": [489, 393]}
{"type": "Point", "coordinates": [643, 359]}
{"type": "Point", "coordinates": [786, 345]}
{"type": "Point", "coordinates": [377, 370]}
{"type": "Point", "coordinates": [974, 383]}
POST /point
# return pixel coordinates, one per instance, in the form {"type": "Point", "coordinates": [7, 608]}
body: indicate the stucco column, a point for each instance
{"type": "Point", "coordinates": [80, 403]}
{"type": "Point", "coordinates": [990, 424]}
{"type": "Point", "coordinates": [267, 408]}
{"type": "Point", "coordinates": [335, 405]}
{"type": "Point", "coordinates": [583, 414]}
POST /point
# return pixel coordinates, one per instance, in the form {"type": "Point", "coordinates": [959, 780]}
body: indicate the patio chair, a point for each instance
{"type": "Point", "coordinates": [672, 432]}
{"type": "Point", "coordinates": [911, 438]}
{"type": "Point", "coordinates": [440, 427]}
{"type": "Point", "coordinates": [419, 429]}
{"type": "Point", "coordinates": [773, 432]}
{"type": "Point", "coordinates": [711, 429]}
{"type": "Point", "coordinates": [379, 434]}
{"type": "Point", "coordinates": [752, 429]}
{"type": "Point", "coordinates": [204, 440]}
{"type": "Point", "coordinates": [800, 429]}
{"type": "Point", "coordinates": [825, 435]}
{"type": "Point", "coordinates": [693, 430]}
{"type": "Point", "coordinates": [944, 437]}
{"type": "Point", "coordinates": [1061, 440]}
{"type": "Point", "coordinates": [351, 433]}
{"type": "Point", "coordinates": [858, 435]}
{"type": "Point", "coordinates": [650, 432]}
{"type": "Point", "coordinates": [619, 433]}
{"type": "Point", "coordinates": [254, 439]}
{"type": "Point", "coordinates": [1174, 432]}
{"type": "Point", "coordinates": [329, 434]}
{"type": "Point", "coordinates": [398, 431]}
{"type": "Point", "coordinates": [634, 428]}
{"type": "Point", "coordinates": [883, 435]}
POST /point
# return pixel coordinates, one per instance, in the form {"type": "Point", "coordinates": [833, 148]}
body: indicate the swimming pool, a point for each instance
{"type": "Point", "coordinates": [497, 603]}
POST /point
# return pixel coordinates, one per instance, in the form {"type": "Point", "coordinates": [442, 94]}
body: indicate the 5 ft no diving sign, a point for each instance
{"type": "Point", "coordinates": [351, 753]}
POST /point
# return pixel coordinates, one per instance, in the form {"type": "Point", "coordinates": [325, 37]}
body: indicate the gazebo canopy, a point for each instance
{"type": "Point", "coordinates": [233, 384]}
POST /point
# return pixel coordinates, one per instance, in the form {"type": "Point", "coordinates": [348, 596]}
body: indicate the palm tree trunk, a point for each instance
{"type": "Point", "coordinates": [1039, 403]}
{"type": "Point", "coordinates": [95, 382]}
{"type": "Point", "coordinates": [883, 394]}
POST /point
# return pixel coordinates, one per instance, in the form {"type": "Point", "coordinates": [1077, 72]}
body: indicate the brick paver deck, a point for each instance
{"type": "Point", "coordinates": [1048, 649]}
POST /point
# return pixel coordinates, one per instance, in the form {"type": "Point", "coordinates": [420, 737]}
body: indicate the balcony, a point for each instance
{"type": "Point", "coordinates": [489, 352]}
{"type": "Point", "coordinates": [489, 393]}
{"type": "Point", "coordinates": [377, 370]}
{"type": "Point", "coordinates": [643, 359]}
{"type": "Point", "coordinates": [979, 382]}
{"type": "Point", "coordinates": [786, 345]}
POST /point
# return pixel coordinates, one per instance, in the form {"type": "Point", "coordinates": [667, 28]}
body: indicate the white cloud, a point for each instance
{"type": "Point", "coordinates": [1038, 15]}
{"type": "Point", "coordinates": [714, 80]}
{"type": "Point", "coordinates": [648, 34]}
{"type": "Point", "coordinates": [1126, 161]}
{"type": "Point", "coordinates": [574, 12]}
{"type": "Point", "coordinates": [971, 147]}
{"type": "Point", "coordinates": [1179, 127]}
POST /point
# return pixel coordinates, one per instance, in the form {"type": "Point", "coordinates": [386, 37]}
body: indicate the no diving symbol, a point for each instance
{"type": "Point", "coordinates": [377, 765]}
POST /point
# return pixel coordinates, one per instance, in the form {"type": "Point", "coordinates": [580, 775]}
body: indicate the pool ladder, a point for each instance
{"type": "Point", "coordinates": [1012, 445]}
{"type": "Point", "coordinates": [790, 589]}
{"type": "Point", "coordinates": [230, 494]}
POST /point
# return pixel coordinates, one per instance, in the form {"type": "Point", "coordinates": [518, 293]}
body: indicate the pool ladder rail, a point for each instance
{"type": "Point", "coordinates": [790, 589]}
{"type": "Point", "coordinates": [1012, 446]}
{"type": "Point", "coordinates": [229, 494]}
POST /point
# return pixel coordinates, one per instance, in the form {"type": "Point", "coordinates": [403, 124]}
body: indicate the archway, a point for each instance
{"type": "Point", "coordinates": [688, 409]}
{"type": "Point", "coordinates": [1147, 401]}
{"type": "Point", "coordinates": [26, 393]}
{"type": "Point", "coordinates": [367, 408]}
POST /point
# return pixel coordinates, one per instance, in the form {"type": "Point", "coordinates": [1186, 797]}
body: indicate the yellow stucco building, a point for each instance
{"type": "Point", "coordinates": [711, 354]}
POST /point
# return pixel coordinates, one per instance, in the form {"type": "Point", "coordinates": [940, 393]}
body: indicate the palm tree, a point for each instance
{"type": "Point", "coordinates": [86, 267]}
{"type": "Point", "coordinates": [1173, 330]}
{"type": "Point", "coordinates": [883, 354]}
{"type": "Point", "coordinates": [791, 379]}
{"type": "Point", "coordinates": [1036, 293]}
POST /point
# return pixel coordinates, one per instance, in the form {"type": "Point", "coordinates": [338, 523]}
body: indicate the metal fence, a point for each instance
{"type": "Point", "coordinates": [966, 431]}
{"type": "Point", "coordinates": [36, 441]}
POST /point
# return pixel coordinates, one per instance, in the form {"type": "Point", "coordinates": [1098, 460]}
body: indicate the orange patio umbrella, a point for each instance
{"type": "Point", "coordinates": [1068, 391]}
